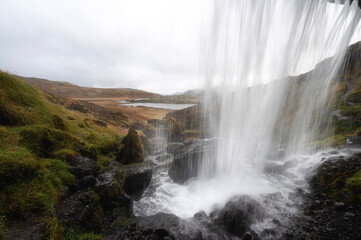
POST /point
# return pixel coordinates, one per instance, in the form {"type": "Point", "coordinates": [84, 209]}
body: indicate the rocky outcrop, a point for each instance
{"type": "Point", "coordinates": [189, 159]}
{"type": "Point", "coordinates": [137, 180]}
{"type": "Point", "coordinates": [332, 175]}
{"type": "Point", "coordinates": [81, 209]}
{"type": "Point", "coordinates": [81, 166]}
{"type": "Point", "coordinates": [131, 149]}
{"type": "Point", "coordinates": [163, 226]}
{"type": "Point", "coordinates": [99, 196]}
{"type": "Point", "coordinates": [238, 215]}
{"type": "Point", "coordinates": [331, 210]}
{"type": "Point", "coordinates": [109, 183]}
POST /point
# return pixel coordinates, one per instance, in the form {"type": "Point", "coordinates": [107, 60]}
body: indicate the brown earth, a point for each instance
{"type": "Point", "coordinates": [89, 98]}
{"type": "Point", "coordinates": [66, 89]}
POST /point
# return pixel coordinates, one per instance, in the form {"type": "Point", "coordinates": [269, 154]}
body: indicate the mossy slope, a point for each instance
{"type": "Point", "coordinates": [36, 137]}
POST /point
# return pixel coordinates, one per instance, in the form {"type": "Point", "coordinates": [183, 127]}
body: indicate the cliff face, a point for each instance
{"type": "Point", "coordinates": [344, 99]}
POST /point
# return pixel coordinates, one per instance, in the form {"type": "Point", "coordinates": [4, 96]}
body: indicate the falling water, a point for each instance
{"type": "Point", "coordinates": [255, 110]}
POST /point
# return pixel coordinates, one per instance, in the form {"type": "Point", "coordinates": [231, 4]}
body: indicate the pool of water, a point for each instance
{"type": "Point", "coordinates": [158, 105]}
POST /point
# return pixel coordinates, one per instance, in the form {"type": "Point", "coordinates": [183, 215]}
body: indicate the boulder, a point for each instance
{"type": "Point", "coordinates": [161, 226]}
{"type": "Point", "coordinates": [189, 159]}
{"type": "Point", "coordinates": [81, 209]}
{"type": "Point", "coordinates": [238, 215]}
{"type": "Point", "coordinates": [109, 183]}
{"type": "Point", "coordinates": [333, 176]}
{"type": "Point", "coordinates": [173, 147]}
{"type": "Point", "coordinates": [137, 179]}
{"type": "Point", "coordinates": [81, 166]}
{"type": "Point", "coordinates": [132, 149]}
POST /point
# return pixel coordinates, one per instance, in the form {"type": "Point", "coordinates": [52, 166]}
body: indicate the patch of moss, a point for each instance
{"type": "Point", "coordinates": [71, 234]}
{"type": "Point", "coordinates": [43, 141]}
{"type": "Point", "coordinates": [39, 193]}
{"type": "Point", "coordinates": [17, 164]}
{"type": "Point", "coordinates": [58, 122]}
{"type": "Point", "coordinates": [353, 184]}
{"type": "Point", "coordinates": [54, 230]}
{"type": "Point", "coordinates": [2, 228]}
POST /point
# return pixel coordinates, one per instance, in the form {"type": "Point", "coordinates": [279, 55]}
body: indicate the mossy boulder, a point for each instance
{"type": "Point", "coordinates": [131, 149]}
{"type": "Point", "coordinates": [337, 178]}
{"type": "Point", "coordinates": [109, 183]}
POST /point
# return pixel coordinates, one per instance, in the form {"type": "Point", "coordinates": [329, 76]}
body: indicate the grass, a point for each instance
{"type": "Point", "coordinates": [37, 135]}
{"type": "Point", "coordinates": [71, 234]}
{"type": "Point", "coordinates": [353, 184]}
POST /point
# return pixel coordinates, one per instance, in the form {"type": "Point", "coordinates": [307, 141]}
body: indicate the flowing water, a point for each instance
{"type": "Point", "coordinates": [255, 111]}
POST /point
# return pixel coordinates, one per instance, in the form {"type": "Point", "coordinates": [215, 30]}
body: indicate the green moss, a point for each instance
{"type": "Point", "coordinates": [132, 150]}
{"type": "Point", "coordinates": [58, 122]}
{"type": "Point", "coordinates": [43, 141]}
{"type": "Point", "coordinates": [39, 193]}
{"type": "Point", "coordinates": [2, 228]}
{"type": "Point", "coordinates": [71, 234]}
{"type": "Point", "coordinates": [17, 164]}
{"type": "Point", "coordinates": [54, 230]}
{"type": "Point", "coordinates": [353, 184]}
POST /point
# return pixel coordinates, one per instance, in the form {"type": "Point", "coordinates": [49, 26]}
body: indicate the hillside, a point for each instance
{"type": "Point", "coordinates": [39, 137]}
{"type": "Point", "coordinates": [73, 91]}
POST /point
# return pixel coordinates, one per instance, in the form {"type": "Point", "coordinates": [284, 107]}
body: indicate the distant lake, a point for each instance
{"type": "Point", "coordinates": [159, 105]}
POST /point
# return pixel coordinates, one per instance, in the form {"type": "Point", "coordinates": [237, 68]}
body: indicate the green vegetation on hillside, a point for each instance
{"type": "Point", "coordinates": [36, 138]}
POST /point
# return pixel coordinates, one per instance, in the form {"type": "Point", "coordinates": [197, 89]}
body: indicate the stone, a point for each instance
{"type": "Point", "coordinates": [339, 205]}
{"type": "Point", "coordinates": [81, 166]}
{"type": "Point", "coordinates": [81, 209]}
{"type": "Point", "coordinates": [109, 183]}
{"type": "Point", "coordinates": [189, 159]}
{"type": "Point", "coordinates": [238, 215]}
{"type": "Point", "coordinates": [132, 149]}
{"type": "Point", "coordinates": [87, 181]}
{"type": "Point", "coordinates": [137, 179]}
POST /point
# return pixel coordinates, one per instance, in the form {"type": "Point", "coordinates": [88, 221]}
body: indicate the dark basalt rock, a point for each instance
{"type": "Point", "coordinates": [32, 227]}
{"type": "Point", "coordinates": [189, 159]}
{"type": "Point", "coordinates": [238, 215]}
{"type": "Point", "coordinates": [136, 180]}
{"type": "Point", "coordinates": [162, 226]}
{"type": "Point", "coordinates": [330, 211]}
{"type": "Point", "coordinates": [132, 150]}
{"type": "Point", "coordinates": [87, 182]}
{"type": "Point", "coordinates": [81, 209]}
{"type": "Point", "coordinates": [82, 166]}
{"type": "Point", "coordinates": [109, 183]}
{"type": "Point", "coordinates": [173, 147]}
{"type": "Point", "coordinates": [332, 174]}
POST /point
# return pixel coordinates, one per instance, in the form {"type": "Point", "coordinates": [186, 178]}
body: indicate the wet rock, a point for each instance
{"type": "Point", "coordinates": [123, 200]}
{"type": "Point", "coordinates": [81, 209]}
{"type": "Point", "coordinates": [87, 181]}
{"type": "Point", "coordinates": [33, 227]}
{"type": "Point", "coordinates": [173, 147]}
{"type": "Point", "coordinates": [109, 183]}
{"type": "Point", "coordinates": [161, 226]}
{"type": "Point", "coordinates": [188, 160]}
{"type": "Point", "coordinates": [332, 174]}
{"type": "Point", "coordinates": [201, 215]}
{"type": "Point", "coordinates": [339, 205]}
{"type": "Point", "coordinates": [132, 150]}
{"type": "Point", "coordinates": [82, 166]}
{"type": "Point", "coordinates": [238, 215]}
{"type": "Point", "coordinates": [136, 180]}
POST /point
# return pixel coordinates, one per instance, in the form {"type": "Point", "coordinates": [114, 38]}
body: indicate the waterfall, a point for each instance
{"type": "Point", "coordinates": [263, 106]}
{"type": "Point", "coordinates": [251, 49]}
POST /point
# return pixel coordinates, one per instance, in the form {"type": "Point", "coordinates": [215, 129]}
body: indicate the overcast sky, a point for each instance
{"type": "Point", "coordinates": [151, 45]}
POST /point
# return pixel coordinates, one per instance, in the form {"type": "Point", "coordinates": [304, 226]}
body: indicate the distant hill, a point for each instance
{"type": "Point", "coordinates": [66, 89]}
